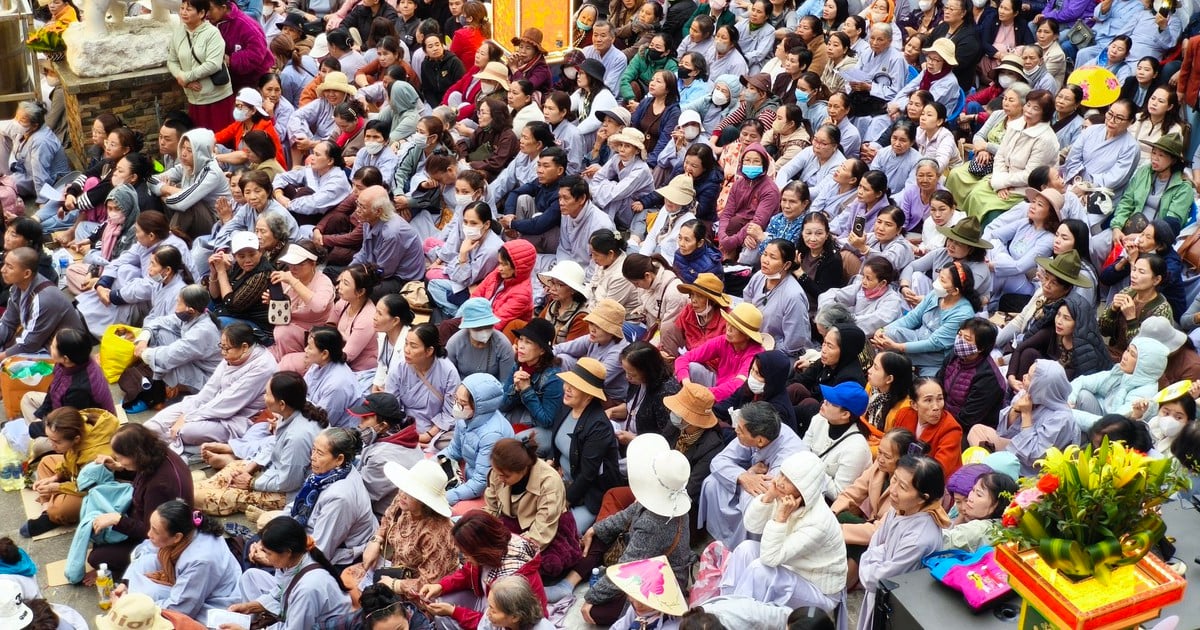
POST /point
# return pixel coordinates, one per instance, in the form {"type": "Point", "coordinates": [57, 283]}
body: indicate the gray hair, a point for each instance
{"type": "Point", "coordinates": [277, 225]}
{"type": "Point", "coordinates": [384, 206]}
{"type": "Point", "coordinates": [447, 114]}
{"type": "Point", "coordinates": [514, 597]}
{"type": "Point", "coordinates": [760, 420]}
{"type": "Point", "coordinates": [927, 161]}
{"type": "Point", "coordinates": [195, 296]}
{"type": "Point", "coordinates": [26, 257]}
{"type": "Point", "coordinates": [833, 314]}
{"type": "Point", "coordinates": [1034, 47]}
{"type": "Point", "coordinates": [1022, 90]}
{"type": "Point", "coordinates": [883, 28]}
{"type": "Point", "coordinates": [36, 113]}
{"type": "Point", "coordinates": [343, 442]}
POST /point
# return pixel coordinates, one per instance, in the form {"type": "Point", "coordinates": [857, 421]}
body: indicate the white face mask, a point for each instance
{"type": "Point", "coordinates": [691, 131]}
{"type": "Point", "coordinates": [1006, 81]}
{"type": "Point", "coordinates": [472, 233]}
{"type": "Point", "coordinates": [756, 386]}
{"type": "Point", "coordinates": [157, 278]}
{"type": "Point", "coordinates": [240, 114]}
{"type": "Point", "coordinates": [719, 98]}
{"type": "Point", "coordinates": [939, 289]}
{"type": "Point", "coordinates": [979, 4]}
{"type": "Point", "coordinates": [486, 88]}
{"type": "Point", "coordinates": [570, 73]}
{"type": "Point", "coordinates": [1165, 426]}
{"type": "Point", "coordinates": [461, 412]}
{"type": "Point", "coordinates": [773, 276]}
{"type": "Point", "coordinates": [676, 420]}
{"type": "Point", "coordinates": [373, 147]}
{"type": "Point", "coordinates": [925, 5]}
{"type": "Point", "coordinates": [721, 47]}
{"type": "Point", "coordinates": [482, 335]}
{"type": "Point", "coordinates": [708, 307]}
{"type": "Point", "coordinates": [419, 139]}
{"type": "Point", "coordinates": [462, 200]}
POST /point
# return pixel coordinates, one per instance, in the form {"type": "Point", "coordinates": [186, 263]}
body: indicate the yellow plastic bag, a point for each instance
{"type": "Point", "coordinates": [116, 350]}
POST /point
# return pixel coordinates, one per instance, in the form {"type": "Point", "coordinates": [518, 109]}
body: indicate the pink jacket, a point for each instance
{"type": "Point", "coordinates": [732, 366]}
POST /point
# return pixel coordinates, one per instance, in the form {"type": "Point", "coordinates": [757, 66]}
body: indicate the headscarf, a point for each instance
{"type": "Point", "coordinates": [735, 92]}
{"type": "Point", "coordinates": [1151, 362]}
{"type": "Point", "coordinates": [203, 142]}
{"type": "Point", "coordinates": [1049, 389]}
{"type": "Point", "coordinates": [402, 111]}
{"type": "Point", "coordinates": [119, 237]}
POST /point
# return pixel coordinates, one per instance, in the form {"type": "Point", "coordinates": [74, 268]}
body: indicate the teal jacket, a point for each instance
{"type": "Point", "coordinates": [105, 495]}
{"type": "Point", "coordinates": [1175, 204]}
{"type": "Point", "coordinates": [641, 69]}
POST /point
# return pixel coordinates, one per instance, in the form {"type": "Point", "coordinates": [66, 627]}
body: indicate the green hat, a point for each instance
{"type": "Point", "coordinates": [1065, 267]}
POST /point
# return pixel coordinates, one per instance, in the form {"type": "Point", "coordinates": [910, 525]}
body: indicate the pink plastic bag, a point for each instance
{"type": "Point", "coordinates": [708, 575]}
{"type": "Point", "coordinates": [976, 576]}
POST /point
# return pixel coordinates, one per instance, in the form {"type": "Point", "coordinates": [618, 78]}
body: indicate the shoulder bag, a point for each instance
{"type": "Point", "coordinates": [220, 77]}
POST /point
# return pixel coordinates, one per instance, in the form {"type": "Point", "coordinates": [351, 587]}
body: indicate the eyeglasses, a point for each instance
{"type": "Point", "coordinates": [225, 349]}
{"type": "Point", "coordinates": [1115, 117]}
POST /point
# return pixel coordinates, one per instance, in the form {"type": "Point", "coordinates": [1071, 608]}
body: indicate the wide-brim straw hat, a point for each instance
{"type": "Point", "coordinates": [679, 190]}
{"type": "Point", "coordinates": [607, 315]}
{"type": "Point", "coordinates": [650, 582]}
{"type": "Point", "coordinates": [944, 49]}
{"type": "Point", "coordinates": [658, 475]}
{"type": "Point", "coordinates": [710, 286]}
{"type": "Point", "coordinates": [569, 273]}
{"type": "Point", "coordinates": [133, 611]}
{"type": "Point", "coordinates": [1011, 63]}
{"type": "Point", "coordinates": [630, 136]}
{"type": "Point", "coordinates": [967, 231]}
{"type": "Point", "coordinates": [1066, 267]}
{"type": "Point", "coordinates": [425, 482]}
{"type": "Point", "coordinates": [494, 71]}
{"type": "Point", "coordinates": [587, 376]}
{"type": "Point", "coordinates": [747, 318]}
{"type": "Point", "coordinates": [694, 404]}
{"type": "Point", "coordinates": [337, 81]}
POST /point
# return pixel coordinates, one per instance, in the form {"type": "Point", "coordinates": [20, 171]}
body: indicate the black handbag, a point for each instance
{"type": "Point", "coordinates": [220, 77]}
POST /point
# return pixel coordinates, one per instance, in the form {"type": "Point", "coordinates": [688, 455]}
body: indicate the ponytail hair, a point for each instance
{"type": "Point", "coordinates": [289, 388]}
{"type": "Point", "coordinates": [283, 534]}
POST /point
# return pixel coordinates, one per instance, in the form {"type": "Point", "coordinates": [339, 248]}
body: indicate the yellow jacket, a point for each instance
{"type": "Point", "coordinates": [98, 428]}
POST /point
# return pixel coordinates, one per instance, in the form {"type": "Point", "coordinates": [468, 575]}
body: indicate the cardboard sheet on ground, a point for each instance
{"type": "Point", "coordinates": [33, 509]}
{"type": "Point", "coordinates": [56, 573]}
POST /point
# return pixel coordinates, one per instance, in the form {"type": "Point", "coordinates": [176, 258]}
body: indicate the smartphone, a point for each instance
{"type": "Point", "coordinates": [860, 225]}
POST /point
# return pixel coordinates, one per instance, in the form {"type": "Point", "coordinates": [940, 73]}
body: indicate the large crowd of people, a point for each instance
{"type": "Point", "coordinates": [464, 331]}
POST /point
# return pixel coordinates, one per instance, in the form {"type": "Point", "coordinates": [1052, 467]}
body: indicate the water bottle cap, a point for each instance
{"type": "Point", "coordinates": [103, 566]}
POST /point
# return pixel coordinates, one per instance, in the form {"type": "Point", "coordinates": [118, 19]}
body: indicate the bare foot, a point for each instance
{"type": "Point", "coordinates": [217, 461]}
{"type": "Point", "coordinates": [89, 578]}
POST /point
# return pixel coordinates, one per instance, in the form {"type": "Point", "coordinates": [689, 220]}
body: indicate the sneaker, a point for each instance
{"type": "Point", "coordinates": [139, 406]}
{"type": "Point", "coordinates": [37, 526]}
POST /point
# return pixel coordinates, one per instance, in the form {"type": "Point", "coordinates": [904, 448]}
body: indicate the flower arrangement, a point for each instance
{"type": "Point", "coordinates": [1092, 510]}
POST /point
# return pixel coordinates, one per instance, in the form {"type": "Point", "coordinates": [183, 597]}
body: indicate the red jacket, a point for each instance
{"type": "Point", "coordinates": [944, 439]}
{"type": "Point", "coordinates": [513, 298]}
{"type": "Point", "coordinates": [470, 94]}
{"type": "Point", "coordinates": [1189, 73]}
{"type": "Point", "coordinates": [231, 136]}
{"type": "Point", "coordinates": [468, 578]}
{"type": "Point", "coordinates": [465, 42]}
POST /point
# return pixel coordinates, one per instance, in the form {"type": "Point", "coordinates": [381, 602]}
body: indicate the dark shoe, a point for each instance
{"type": "Point", "coordinates": [37, 526]}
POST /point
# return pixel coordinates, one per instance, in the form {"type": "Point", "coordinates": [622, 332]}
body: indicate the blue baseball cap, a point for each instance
{"type": "Point", "coordinates": [849, 396]}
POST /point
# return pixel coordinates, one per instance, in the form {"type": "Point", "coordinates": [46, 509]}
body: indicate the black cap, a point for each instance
{"type": "Point", "coordinates": [383, 405]}
{"type": "Point", "coordinates": [293, 20]}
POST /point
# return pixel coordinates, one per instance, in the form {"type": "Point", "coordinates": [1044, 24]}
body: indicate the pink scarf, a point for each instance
{"type": "Point", "coordinates": [876, 293]}
{"type": "Point", "coordinates": [112, 233]}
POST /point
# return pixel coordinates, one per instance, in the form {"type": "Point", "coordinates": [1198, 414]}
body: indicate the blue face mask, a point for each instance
{"type": "Point", "coordinates": [752, 171]}
{"type": "Point", "coordinates": [801, 97]}
{"type": "Point", "coordinates": [579, 24]}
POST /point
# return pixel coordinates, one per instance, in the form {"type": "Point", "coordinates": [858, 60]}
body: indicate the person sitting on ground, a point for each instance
{"type": "Point", "coordinates": [979, 512]}
{"type": "Point", "coordinates": [478, 426]}
{"type": "Point", "coordinates": [77, 437]}
{"type": "Point", "coordinates": [175, 354]}
{"type": "Point", "coordinates": [388, 436]}
{"type": "Point", "coordinates": [33, 315]}
{"type": "Point", "coordinates": [533, 391]}
{"type": "Point", "coordinates": [1038, 418]}
{"type": "Point", "coordinates": [478, 347]}
{"type": "Point", "coordinates": [77, 381]}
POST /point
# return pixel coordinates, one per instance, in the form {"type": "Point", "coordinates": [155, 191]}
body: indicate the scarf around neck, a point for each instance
{"type": "Point", "coordinates": [928, 78]}
{"type": "Point", "coordinates": [306, 499]}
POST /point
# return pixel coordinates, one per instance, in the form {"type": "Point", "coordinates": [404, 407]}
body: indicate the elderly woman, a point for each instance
{"type": "Point", "coordinates": [699, 320]}
{"type": "Point", "coordinates": [533, 391]}
{"type": "Point", "coordinates": [694, 432]}
{"type": "Point", "coordinates": [1026, 145]}
{"type": "Point", "coordinates": [77, 437]}
{"type": "Point", "coordinates": [739, 472]}
{"type": "Point", "coordinates": [528, 496]}
{"type": "Point", "coordinates": [477, 347]}
{"type": "Point", "coordinates": [324, 176]}
{"type": "Point", "coordinates": [937, 78]}
{"type": "Point", "coordinates": [911, 530]}
{"type": "Point", "coordinates": [512, 604]}
{"type": "Point", "coordinates": [124, 290]}
{"type": "Point", "coordinates": [313, 122]}
{"type": "Point", "coordinates": [933, 424]}
{"type": "Point", "coordinates": [232, 395]}
{"type": "Point", "coordinates": [309, 294]}
{"type": "Point", "coordinates": [413, 539]}
{"type": "Point", "coordinates": [237, 289]}
{"type": "Point", "coordinates": [566, 300]}
{"type": "Point", "coordinates": [191, 188]}
{"type": "Point", "coordinates": [184, 565]}
{"type": "Point", "coordinates": [1038, 418]}
{"type": "Point", "coordinates": [1104, 155]}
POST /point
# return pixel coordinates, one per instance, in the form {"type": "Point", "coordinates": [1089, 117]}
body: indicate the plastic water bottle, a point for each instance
{"type": "Point", "coordinates": [104, 586]}
{"type": "Point", "coordinates": [595, 577]}
{"type": "Point", "coordinates": [62, 260]}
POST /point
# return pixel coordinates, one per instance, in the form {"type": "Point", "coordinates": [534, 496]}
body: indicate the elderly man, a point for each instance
{"type": "Point", "coordinates": [36, 311]}
{"type": "Point", "coordinates": [389, 243]}
{"type": "Point", "coordinates": [31, 156]}
{"type": "Point", "coordinates": [580, 219]}
{"type": "Point", "coordinates": [744, 470]}
{"type": "Point", "coordinates": [888, 71]}
{"type": "Point", "coordinates": [602, 50]}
